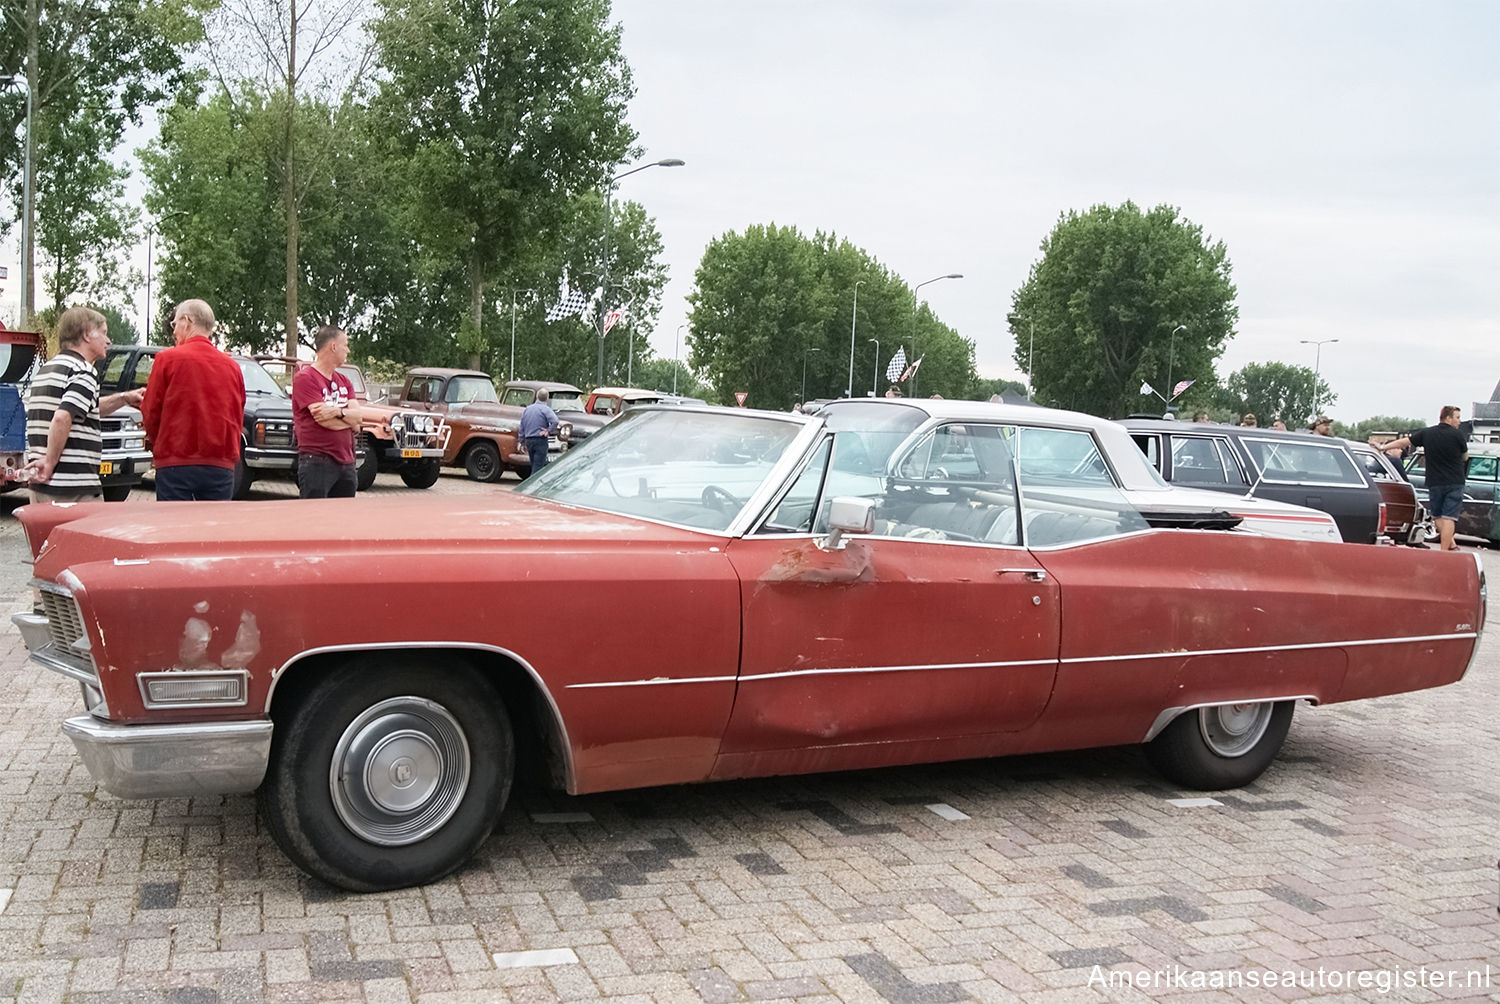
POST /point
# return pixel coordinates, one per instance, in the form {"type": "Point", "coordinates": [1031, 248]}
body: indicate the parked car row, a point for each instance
{"type": "Point", "coordinates": [1479, 515]}
{"type": "Point", "coordinates": [883, 583]}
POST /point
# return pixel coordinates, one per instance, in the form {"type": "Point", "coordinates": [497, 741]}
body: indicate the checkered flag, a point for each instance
{"type": "Point", "coordinates": [898, 363]}
{"type": "Point", "coordinates": [571, 303]}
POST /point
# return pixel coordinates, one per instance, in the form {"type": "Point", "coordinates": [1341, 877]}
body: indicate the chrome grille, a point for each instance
{"type": "Point", "coordinates": [70, 642]}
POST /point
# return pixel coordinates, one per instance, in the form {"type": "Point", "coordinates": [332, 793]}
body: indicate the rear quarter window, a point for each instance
{"type": "Point", "coordinates": [1305, 463]}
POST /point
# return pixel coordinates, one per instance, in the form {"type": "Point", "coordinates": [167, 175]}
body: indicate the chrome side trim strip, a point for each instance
{"type": "Point", "coordinates": [655, 682]}
{"type": "Point", "coordinates": [1169, 715]}
{"type": "Point", "coordinates": [1305, 646]}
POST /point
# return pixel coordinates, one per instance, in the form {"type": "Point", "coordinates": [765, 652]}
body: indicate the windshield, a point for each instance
{"type": "Point", "coordinates": [690, 468]}
{"type": "Point", "coordinates": [257, 380]}
{"type": "Point", "coordinates": [566, 400]}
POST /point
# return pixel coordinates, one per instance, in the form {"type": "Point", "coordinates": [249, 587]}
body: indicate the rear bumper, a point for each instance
{"type": "Point", "coordinates": [169, 761]}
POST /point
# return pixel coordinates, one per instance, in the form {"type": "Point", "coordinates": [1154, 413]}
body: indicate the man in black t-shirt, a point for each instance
{"type": "Point", "coordinates": [1447, 452]}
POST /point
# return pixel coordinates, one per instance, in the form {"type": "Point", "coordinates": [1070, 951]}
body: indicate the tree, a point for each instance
{"type": "Point", "coordinates": [1381, 423]}
{"type": "Point", "coordinates": [92, 67]}
{"type": "Point", "coordinates": [1106, 301]}
{"type": "Point", "coordinates": [498, 116]}
{"type": "Point", "coordinates": [769, 298]}
{"type": "Point", "coordinates": [985, 389]}
{"type": "Point", "coordinates": [1268, 389]}
{"type": "Point", "coordinates": [277, 42]}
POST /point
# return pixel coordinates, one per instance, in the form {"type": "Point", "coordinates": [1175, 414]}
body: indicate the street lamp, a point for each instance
{"type": "Point", "coordinates": [875, 377]}
{"type": "Point", "coordinates": [151, 230]}
{"type": "Point", "coordinates": [513, 293]}
{"type": "Point", "coordinates": [677, 358]}
{"type": "Point", "coordinates": [914, 354]}
{"type": "Point", "coordinates": [805, 351]}
{"type": "Point", "coordinates": [853, 320]}
{"type": "Point", "coordinates": [1317, 365]}
{"type": "Point", "coordinates": [28, 213]}
{"type": "Point", "coordinates": [1030, 349]}
{"type": "Point", "coordinates": [604, 269]}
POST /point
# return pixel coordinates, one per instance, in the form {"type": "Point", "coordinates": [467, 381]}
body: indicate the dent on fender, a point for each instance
{"type": "Point", "coordinates": [812, 564]}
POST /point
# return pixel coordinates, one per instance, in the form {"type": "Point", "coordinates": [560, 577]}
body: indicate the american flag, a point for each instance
{"type": "Point", "coordinates": [911, 370]}
{"type": "Point", "coordinates": [571, 303]}
{"type": "Point", "coordinates": [1182, 386]}
{"type": "Point", "coordinates": [898, 363]}
{"type": "Point", "coordinates": [614, 316]}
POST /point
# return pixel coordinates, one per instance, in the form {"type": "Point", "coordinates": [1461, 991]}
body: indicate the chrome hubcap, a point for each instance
{"type": "Point", "coordinates": [1232, 730]}
{"type": "Point", "coordinates": [399, 771]}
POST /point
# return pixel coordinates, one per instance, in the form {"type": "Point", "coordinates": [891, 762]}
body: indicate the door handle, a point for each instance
{"type": "Point", "coordinates": [1032, 574]}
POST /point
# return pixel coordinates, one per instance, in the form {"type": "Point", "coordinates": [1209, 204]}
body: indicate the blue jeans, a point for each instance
{"type": "Point", "coordinates": [194, 483]}
{"type": "Point", "coordinates": [536, 449]}
{"type": "Point", "coordinates": [1445, 501]}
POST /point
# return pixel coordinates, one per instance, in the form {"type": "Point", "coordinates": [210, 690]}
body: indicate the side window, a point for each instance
{"type": "Point", "coordinates": [1305, 463]}
{"type": "Point", "coordinates": [1483, 468]}
{"type": "Point", "coordinates": [1150, 446]}
{"type": "Point", "coordinates": [797, 509]}
{"type": "Point", "coordinates": [1079, 504]}
{"type": "Point", "coordinates": [113, 369]}
{"type": "Point", "coordinates": [1200, 460]}
{"type": "Point", "coordinates": [142, 369]}
{"type": "Point", "coordinates": [955, 483]}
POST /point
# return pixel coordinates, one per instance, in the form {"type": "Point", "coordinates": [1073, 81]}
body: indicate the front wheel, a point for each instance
{"type": "Point", "coordinates": [421, 473]}
{"type": "Point", "coordinates": [482, 462]}
{"type": "Point", "coordinates": [243, 479]}
{"type": "Point", "coordinates": [388, 774]}
{"type": "Point", "coordinates": [368, 461]}
{"type": "Point", "coordinates": [116, 493]}
{"type": "Point", "coordinates": [1227, 746]}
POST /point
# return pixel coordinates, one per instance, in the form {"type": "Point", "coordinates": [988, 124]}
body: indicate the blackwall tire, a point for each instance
{"type": "Point", "coordinates": [421, 473]}
{"type": "Point", "coordinates": [388, 773]}
{"type": "Point", "coordinates": [482, 462]}
{"type": "Point", "coordinates": [369, 464]}
{"type": "Point", "coordinates": [1210, 749]}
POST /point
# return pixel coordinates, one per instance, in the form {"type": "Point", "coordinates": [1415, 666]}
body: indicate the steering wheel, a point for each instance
{"type": "Point", "coordinates": [717, 498]}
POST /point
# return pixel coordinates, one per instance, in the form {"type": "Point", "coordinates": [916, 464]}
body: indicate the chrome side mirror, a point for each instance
{"type": "Point", "coordinates": [847, 515]}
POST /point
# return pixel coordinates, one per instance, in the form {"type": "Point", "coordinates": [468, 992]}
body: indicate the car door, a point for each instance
{"type": "Point", "coordinates": [1479, 516]}
{"type": "Point", "coordinates": [936, 627]}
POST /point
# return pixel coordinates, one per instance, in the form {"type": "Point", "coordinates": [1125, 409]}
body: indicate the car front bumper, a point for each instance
{"type": "Point", "coordinates": [170, 761]}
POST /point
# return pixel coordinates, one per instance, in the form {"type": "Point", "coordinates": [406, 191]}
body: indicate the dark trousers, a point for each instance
{"type": "Point", "coordinates": [322, 477]}
{"type": "Point", "coordinates": [194, 483]}
{"type": "Point", "coordinates": [536, 448]}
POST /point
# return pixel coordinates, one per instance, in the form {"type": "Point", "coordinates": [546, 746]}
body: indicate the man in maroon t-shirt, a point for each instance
{"type": "Point", "coordinates": [326, 414]}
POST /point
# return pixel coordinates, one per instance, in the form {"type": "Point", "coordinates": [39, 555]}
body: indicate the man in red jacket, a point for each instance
{"type": "Point", "coordinates": [194, 411]}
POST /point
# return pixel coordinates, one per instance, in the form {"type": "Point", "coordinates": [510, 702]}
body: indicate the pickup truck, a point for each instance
{"type": "Point", "coordinates": [483, 439]}
{"type": "Point", "coordinates": [605, 404]}
{"type": "Point", "coordinates": [389, 439]}
{"type": "Point", "coordinates": [267, 443]}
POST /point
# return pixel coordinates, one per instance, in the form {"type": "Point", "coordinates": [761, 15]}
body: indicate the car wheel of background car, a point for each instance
{"type": "Point", "coordinates": [243, 479]}
{"type": "Point", "coordinates": [1222, 747]}
{"type": "Point", "coordinates": [421, 473]}
{"type": "Point", "coordinates": [116, 493]}
{"type": "Point", "coordinates": [482, 462]}
{"type": "Point", "coordinates": [368, 460]}
{"type": "Point", "coordinates": [388, 774]}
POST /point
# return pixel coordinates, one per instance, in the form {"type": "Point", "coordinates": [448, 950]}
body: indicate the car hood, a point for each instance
{"type": "Point", "coordinates": [322, 527]}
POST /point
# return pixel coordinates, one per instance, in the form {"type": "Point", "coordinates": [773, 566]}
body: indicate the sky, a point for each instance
{"type": "Point", "coordinates": [1346, 153]}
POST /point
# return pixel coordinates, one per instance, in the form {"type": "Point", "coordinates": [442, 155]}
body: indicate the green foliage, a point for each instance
{"type": "Point", "coordinates": [98, 66]}
{"type": "Point", "coordinates": [495, 116]}
{"type": "Point", "coordinates": [1380, 423]}
{"type": "Point", "coordinates": [1268, 389]}
{"type": "Point", "coordinates": [986, 389]}
{"type": "Point", "coordinates": [769, 300]}
{"type": "Point", "coordinates": [656, 373]}
{"type": "Point", "coordinates": [1112, 286]}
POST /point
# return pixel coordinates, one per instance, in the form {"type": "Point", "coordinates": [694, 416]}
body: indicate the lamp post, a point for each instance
{"type": "Point", "coordinates": [677, 358]}
{"type": "Point", "coordinates": [151, 231]}
{"type": "Point", "coordinates": [609, 191]}
{"type": "Point", "coordinates": [875, 377]}
{"type": "Point", "coordinates": [1030, 349]}
{"type": "Point", "coordinates": [1317, 365]}
{"type": "Point", "coordinates": [28, 213]}
{"type": "Point", "coordinates": [805, 351]}
{"type": "Point", "coordinates": [853, 320]}
{"type": "Point", "coordinates": [1171, 357]}
{"type": "Point", "coordinates": [914, 354]}
{"type": "Point", "coordinates": [513, 292]}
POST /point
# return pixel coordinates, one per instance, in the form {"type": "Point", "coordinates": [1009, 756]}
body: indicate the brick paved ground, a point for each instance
{"type": "Point", "coordinates": [1369, 847]}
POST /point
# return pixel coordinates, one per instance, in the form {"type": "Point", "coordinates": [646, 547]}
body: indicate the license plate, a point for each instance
{"type": "Point", "coordinates": [411, 454]}
{"type": "Point", "coordinates": [106, 467]}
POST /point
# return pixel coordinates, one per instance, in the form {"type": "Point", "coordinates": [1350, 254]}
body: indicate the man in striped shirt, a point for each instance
{"type": "Point", "coordinates": [63, 441]}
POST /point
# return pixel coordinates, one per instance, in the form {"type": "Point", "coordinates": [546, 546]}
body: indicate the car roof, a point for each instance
{"type": "Point", "coordinates": [445, 371]}
{"type": "Point", "coordinates": [628, 393]}
{"type": "Point", "coordinates": [548, 385]}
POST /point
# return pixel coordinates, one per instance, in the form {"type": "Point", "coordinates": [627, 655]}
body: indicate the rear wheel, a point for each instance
{"type": "Point", "coordinates": [482, 462]}
{"type": "Point", "coordinates": [388, 774]}
{"type": "Point", "coordinates": [421, 473]}
{"type": "Point", "coordinates": [1227, 746]}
